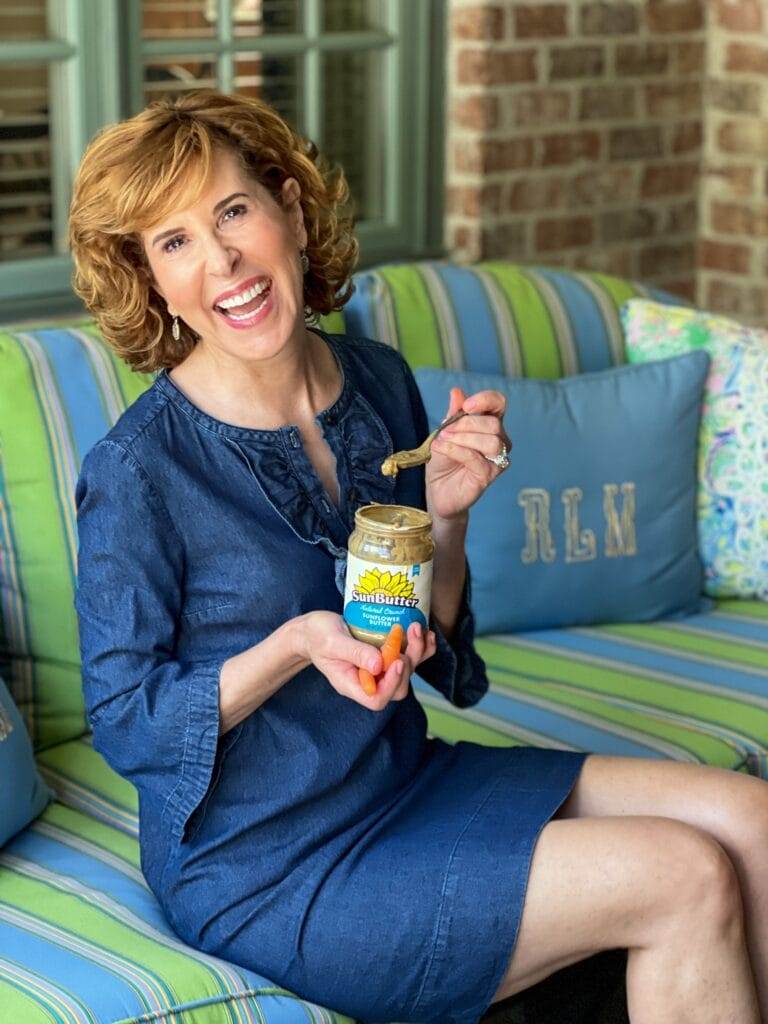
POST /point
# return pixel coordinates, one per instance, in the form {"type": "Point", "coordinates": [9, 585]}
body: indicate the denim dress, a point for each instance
{"type": "Point", "coordinates": [338, 851]}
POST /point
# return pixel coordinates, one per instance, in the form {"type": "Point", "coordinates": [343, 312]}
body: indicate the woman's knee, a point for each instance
{"type": "Point", "coordinates": [700, 881]}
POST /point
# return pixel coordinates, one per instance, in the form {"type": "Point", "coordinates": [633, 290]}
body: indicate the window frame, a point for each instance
{"type": "Point", "coordinates": [89, 89]}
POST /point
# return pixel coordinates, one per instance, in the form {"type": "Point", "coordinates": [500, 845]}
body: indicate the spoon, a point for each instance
{"type": "Point", "coordinates": [416, 456]}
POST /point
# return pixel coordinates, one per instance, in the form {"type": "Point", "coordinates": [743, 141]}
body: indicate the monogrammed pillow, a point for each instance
{"type": "Point", "coordinates": [595, 519]}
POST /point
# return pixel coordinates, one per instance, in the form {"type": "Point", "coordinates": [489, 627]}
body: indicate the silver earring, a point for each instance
{"type": "Point", "coordinates": [175, 329]}
{"type": "Point", "coordinates": [304, 262]}
{"type": "Point", "coordinates": [311, 319]}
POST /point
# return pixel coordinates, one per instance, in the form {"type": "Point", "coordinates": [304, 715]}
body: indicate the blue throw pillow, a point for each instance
{"type": "Point", "coordinates": [23, 794]}
{"type": "Point", "coordinates": [595, 519]}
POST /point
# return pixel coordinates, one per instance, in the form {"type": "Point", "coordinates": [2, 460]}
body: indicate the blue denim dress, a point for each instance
{"type": "Point", "coordinates": [340, 852]}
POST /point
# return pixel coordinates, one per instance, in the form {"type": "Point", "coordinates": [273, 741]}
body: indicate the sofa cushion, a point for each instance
{"type": "Point", "coordinates": [60, 391]}
{"type": "Point", "coordinates": [493, 317]}
{"type": "Point", "coordinates": [594, 521]}
{"type": "Point", "coordinates": [733, 443]}
{"type": "Point", "coordinates": [23, 794]}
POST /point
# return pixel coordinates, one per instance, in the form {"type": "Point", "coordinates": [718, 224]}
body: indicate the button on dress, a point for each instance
{"type": "Point", "coordinates": [338, 851]}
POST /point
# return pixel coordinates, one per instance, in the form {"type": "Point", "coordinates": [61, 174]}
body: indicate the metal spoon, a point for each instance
{"type": "Point", "coordinates": [416, 456]}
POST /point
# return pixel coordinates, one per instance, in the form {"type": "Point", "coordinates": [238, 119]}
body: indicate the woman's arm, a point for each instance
{"type": "Point", "coordinates": [448, 571]}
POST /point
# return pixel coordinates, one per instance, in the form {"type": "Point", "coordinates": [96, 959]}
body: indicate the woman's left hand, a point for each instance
{"type": "Point", "coordinates": [460, 468]}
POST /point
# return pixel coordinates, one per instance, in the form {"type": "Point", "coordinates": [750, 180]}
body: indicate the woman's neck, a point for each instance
{"type": "Point", "coordinates": [293, 388]}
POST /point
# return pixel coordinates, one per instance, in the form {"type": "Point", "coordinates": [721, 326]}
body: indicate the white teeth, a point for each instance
{"type": "Point", "coordinates": [243, 297]}
{"type": "Point", "coordinates": [248, 316]}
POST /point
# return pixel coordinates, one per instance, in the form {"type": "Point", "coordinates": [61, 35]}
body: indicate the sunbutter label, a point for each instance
{"type": "Point", "coordinates": [377, 596]}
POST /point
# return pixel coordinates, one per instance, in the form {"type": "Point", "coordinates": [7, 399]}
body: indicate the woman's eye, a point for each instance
{"type": "Point", "coordinates": [169, 246]}
{"type": "Point", "coordinates": [238, 210]}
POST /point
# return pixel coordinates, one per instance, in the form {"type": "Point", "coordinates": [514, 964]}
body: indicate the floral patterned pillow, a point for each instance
{"type": "Point", "coordinates": [733, 440]}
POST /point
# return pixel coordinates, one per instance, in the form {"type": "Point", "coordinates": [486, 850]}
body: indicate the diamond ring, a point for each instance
{"type": "Point", "coordinates": [502, 459]}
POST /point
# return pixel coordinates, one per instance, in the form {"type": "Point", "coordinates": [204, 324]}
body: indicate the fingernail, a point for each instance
{"type": "Point", "coordinates": [417, 630]}
{"type": "Point", "coordinates": [398, 667]}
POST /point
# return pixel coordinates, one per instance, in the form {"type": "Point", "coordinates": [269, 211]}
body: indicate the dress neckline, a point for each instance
{"type": "Point", "coordinates": [332, 414]}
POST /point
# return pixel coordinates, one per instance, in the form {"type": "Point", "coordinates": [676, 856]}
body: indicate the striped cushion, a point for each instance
{"type": "Point", "coordinates": [60, 391]}
{"type": "Point", "coordinates": [80, 932]}
{"type": "Point", "coordinates": [693, 689]}
{"type": "Point", "coordinates": [493, 317]}
{"type": "Point", "coordinates": [82, 938]}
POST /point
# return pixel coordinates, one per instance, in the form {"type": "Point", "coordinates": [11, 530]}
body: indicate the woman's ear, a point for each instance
{"type": "Point", "coordinates": [291, 194]}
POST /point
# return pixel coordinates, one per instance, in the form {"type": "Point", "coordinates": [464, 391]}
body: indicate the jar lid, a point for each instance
{"type": "Point", "coordinates": [392, 519]}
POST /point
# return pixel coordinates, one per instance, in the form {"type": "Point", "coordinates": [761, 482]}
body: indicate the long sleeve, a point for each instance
{"type": "Point", "coordinates": [155, 718]}
{"type": "Point", "coordinates": [456, 669]}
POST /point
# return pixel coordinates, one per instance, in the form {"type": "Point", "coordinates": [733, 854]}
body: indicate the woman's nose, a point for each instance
{"type": "Point", "coordinates": [221, 259]}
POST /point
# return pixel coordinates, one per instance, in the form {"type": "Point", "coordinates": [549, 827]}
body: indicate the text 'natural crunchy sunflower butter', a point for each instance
{"type": "Point", "coordinates": [389, 571]}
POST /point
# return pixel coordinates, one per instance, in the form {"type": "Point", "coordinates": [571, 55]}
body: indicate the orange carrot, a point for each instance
{"type": "Point", "coordinates": [390, 649]}
{"type": "Point", "coordinates": [367, 681]}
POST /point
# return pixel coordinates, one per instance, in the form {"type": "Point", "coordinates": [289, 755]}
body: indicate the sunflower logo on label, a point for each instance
{"type": "Point", "coordinates": [378, 597]}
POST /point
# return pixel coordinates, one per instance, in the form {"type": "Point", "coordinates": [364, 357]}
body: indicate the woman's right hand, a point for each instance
{"type": "Point", "coordinates": [326, 641]}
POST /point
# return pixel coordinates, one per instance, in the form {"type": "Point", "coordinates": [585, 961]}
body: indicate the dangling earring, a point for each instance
{"type": "Point", "coordinates": [175, 329]}
{"type": "Point", "coordinates": [311, 318]}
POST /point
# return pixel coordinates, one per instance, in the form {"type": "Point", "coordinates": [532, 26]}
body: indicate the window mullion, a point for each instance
{"type": "Point", "coordinates": [226, 60]}
{"type": "Point", "coordinates": [313, 77]}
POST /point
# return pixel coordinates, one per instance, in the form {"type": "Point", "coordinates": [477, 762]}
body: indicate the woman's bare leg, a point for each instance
{"type": "Point", "coordinates": [731, 807]}
{"type": "Point", "coordinates": [663, 890]}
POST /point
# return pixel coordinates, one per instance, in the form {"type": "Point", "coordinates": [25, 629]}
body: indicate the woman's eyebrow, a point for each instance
{"type": "Point", "coordinates": [217, 207]}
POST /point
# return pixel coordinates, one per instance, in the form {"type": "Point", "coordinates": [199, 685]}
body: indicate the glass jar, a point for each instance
{"type": "Point", "coordinates": [389, 571]}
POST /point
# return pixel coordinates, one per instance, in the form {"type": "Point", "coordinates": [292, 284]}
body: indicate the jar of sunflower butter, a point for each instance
{"type": "Point", "coordinates": [389, 571]}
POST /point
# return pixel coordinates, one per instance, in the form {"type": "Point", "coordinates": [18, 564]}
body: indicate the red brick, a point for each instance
{"type": "Point", "coordinates": [601, 185]}
{"type": "Point", "coordinates": [681, 218]}
{"type": "Point", "coordinates": [504, 241]}
{"type": "Point", "coordinates": [669, 180]}
{"type": "Point", "coordinates": [489, 156]}
{"type": "Point", "coordinates": [474, 201]}
{"type": "Point", "coordinates": [496, 67]}
{"type": "Point", "coordinates": [734, 219]}
{"type": "Point", "coordinates": [537, 193]}
{"type": "Point", "coordinates": [540, 20]}
{"type": "Point", "coordinates": [672, 99]}
{"type": "Point", "coordinates": [690, 56]}
{"type": "Point", "coordinates": [479, 112]}
{"type": "Point", "coordinates": [749, 136]}
{"type": "Point", "coordinates": [685, 289]}
{"type": "Point", "coordinates": [642, 58]}
{"type": "Point", "coordinates": [485, 21]}
{"type": "Point", "coordinates": [687, 137]}
{"type": "Point", "coordinates": [735, 97]}
{"type": "Point", "coordinates": [635, 143]}
{"type": "Point", "coordinates": [737, 181]}
{"type": "Point", "coordinates": [675, 15]}
{"type": "Point", "coordinates": [735, 298]}
{"type": "Point", "coordinates": [605, 260]}
{"type": "Point", "coordinates": [739, 15]}
{"type": "Point", "coordinates": [667, 259]}
{"type": "Point", "coordinates": [576, 62]}
{"type": "Point", "coordinates": [570, 147]}
{"type": "Point", "coordinates": [607, 101]}
{"type": "Point", "coordinates": [608, 19]}
{"type": "Point", "coordinates": [733, 259]}
{"type": "Point", "coordinates": [747, 57]}
{"type": "Point", "coordinates": [540, 106]}
{"type": "Point", "coordinates": [464, 242]}
{"type": "Point", "coordinates": [564, 233]}
{"type": "Point", "coordinates": [627, 225]}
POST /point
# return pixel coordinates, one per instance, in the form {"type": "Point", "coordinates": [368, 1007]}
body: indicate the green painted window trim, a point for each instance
{"type": "Point", "coordinates": [89, 89]}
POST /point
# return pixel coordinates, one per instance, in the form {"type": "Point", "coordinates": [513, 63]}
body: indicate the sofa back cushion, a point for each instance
{"type": "Point", "coordinates": [23, 794]}
{"type": "Point", "coordinates": [60, 391]}
{"type": "Point", "coordinates": [493, 317]}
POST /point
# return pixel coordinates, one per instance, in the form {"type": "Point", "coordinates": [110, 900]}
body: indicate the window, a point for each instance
{"type": "Point", "coordinates": [362, 78]}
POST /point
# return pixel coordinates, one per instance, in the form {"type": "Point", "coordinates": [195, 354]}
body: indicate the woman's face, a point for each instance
{"type": "Point", "coordinates": [212, 261]}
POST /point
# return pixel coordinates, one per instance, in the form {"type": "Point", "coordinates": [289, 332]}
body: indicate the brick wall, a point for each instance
{"type": "Point", "coordinates": [733, 253]}
{"type": "Point", "coordinates": [575, 136]}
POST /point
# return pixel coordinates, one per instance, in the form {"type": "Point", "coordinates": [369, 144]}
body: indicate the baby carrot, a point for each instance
{"type": "Point", "coordinates": [390, 649]}
{"type": "Point", "coordinates": [367, 681]}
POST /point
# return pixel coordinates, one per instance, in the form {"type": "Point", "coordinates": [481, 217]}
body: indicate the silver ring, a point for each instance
{"type": "Point", "coordinates": [502, 459]}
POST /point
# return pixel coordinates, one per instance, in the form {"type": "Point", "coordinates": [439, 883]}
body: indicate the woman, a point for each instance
{"type": "Point", "coordinates": [289, 822]}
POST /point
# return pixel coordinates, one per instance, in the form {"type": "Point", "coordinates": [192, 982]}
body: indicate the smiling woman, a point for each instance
{"type": "Point", "coordinates": [165, 192]}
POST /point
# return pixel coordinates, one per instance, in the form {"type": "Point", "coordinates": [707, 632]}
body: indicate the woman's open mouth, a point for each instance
{"type": "Point", "coordinates": [249, 313]}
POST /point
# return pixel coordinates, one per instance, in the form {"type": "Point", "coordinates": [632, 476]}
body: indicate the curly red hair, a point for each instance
{"type": "Point", "coordinates": [137, 172]}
